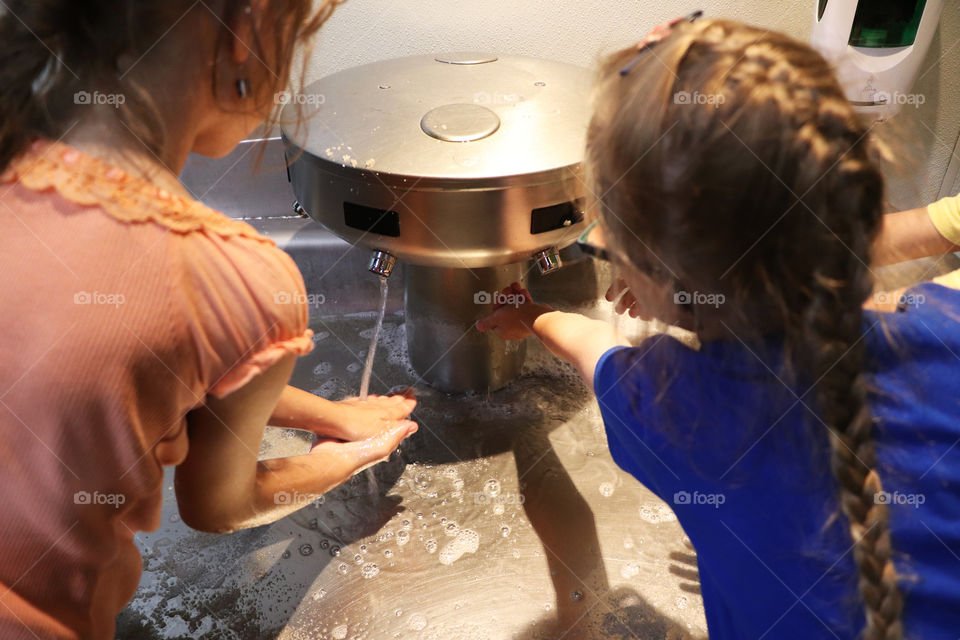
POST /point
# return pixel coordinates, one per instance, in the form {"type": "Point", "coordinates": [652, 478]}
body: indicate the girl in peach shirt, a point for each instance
{"type": "Point", "coordinates": [140, 328]}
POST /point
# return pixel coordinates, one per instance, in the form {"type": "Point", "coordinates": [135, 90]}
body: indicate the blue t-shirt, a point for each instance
{"type": "Point", "coordinates": [743, 459]}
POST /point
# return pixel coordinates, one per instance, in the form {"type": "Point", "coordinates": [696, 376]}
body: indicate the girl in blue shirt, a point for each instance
{"type": "Point", "coordinates": [810, 449]}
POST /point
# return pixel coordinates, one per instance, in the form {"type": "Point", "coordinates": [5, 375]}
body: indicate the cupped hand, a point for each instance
{"type": "Point", "coordinates": [343, 460]}
{"type": "Point", "coordinates": [514, 313]}
{"type": "Point", "coordinates": [354, 419]}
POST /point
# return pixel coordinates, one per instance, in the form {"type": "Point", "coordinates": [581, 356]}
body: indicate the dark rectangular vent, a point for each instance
{"type": "Point", "coordinates": [556, 217]}
{"type": "Point", "coordinates": [380, 221]}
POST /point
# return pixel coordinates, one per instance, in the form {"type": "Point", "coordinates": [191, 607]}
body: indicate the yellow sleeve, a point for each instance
{"type": "Point", "coordinates": [945, 216]}
{"type": "Point", "coordinates": [951, 280]}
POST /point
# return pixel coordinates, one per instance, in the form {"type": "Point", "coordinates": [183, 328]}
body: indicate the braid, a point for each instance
{"type": "Point", "coordinates": [834, 331]}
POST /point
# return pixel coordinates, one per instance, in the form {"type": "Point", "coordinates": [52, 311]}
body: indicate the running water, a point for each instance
{"type": "Point", "coordinates": [368, 369]}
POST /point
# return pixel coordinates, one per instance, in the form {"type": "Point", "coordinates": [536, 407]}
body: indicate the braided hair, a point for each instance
{"type": "Point", "coordinates": [730, 162]}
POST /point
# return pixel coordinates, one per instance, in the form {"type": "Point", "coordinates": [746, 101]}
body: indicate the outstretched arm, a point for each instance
{"type": "Point", "coordinates": [909, 235]}
{"type": "Point", "coordinates": [570, 336]}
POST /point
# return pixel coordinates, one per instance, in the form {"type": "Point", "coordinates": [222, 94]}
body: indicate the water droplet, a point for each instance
{"type": "Point", "coordinates": [405, 524]}
{"type": "Point", "coordinates": [334, 551]}
{"type": "Point", "coordinates": [431, 545]}
{"type": "Point", "coordinates": [314, 524]}
{"type": "Point", "coordinates": [399, 612]}
{"type": "Point", "coordinates": [606, 489]}
{"type": "Point", "coordinates": [467, 541]}
{"type": "Point", "coordinates": [505, 531]}
{"type": "Point", "coordinates": [285, 555]}
{"type": "Point", "coordinates": [324, 544]}
{"type": "Point", "coordinates": [452, 529]}
{"type": "Point", "coordinates": [630, 570]}
{"type": "Point", "coordinates": [388, 554]}
{"type": "Point", "coordinates": [547, 607]}
{"type": "Point", "coordinates": [498, 509]}
{"type": "Point", "coordinates": [443, 521]}
{"type": "Point", "coordinates": [358, 559]}
{"type": "Point", "coordinates": [363, 548]}
{"type": "Point", "coordinates": [576, 596]}
{"type": "Point", "coordinates": [491, 488]}
{"type": "Point", "coordinates": [342, 568]}
{"type": "Point", "coordinates": [369, 570]}
{"type": "Point", "coordinates": [417, 622]}
{"type": "Point", "coordinates": [403, 537]}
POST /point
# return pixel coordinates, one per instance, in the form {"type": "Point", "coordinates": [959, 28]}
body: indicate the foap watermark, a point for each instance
{"type": "Point", "coordinates": [912, 499]}
{"type": "Point", "coordinates": [293, 498]}
{"type": "Point", "coordinates": [498, 298]}
{"type": "Point", "coordinates": [686, 97]}
{"type": "Point", "coordinates": [895, 97]}
{"type": "Point", "coordinates": [115, 500]}
{"type": "Point", "coordinates": [115, 100]}
{"type": "Point", "coordinates": [296, 297]}
{"type": "Point", "coordinates": [481, 498]}
{"type": "Point", "coordinates": [901, 301]}
{"type": "Point", "coordinates": [284, 98]}
{"type": "Point", "coordinates": [699, 298]}
{"type": "Point", "coordinates": [700, 499]}
{"type": "Point", "coordinates": [98, 298]}
{"type": "Point", "coordinates": [483, 97]}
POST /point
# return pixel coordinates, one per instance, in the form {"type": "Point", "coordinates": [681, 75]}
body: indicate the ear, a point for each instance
{"type": "Point", "coordinates": [244, 29]}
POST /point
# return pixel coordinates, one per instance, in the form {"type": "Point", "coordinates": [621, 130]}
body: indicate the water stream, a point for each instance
{"type": "Point", "coordinates": [368, 369]}
{"type": "Point", "coordinates": [371, 352]}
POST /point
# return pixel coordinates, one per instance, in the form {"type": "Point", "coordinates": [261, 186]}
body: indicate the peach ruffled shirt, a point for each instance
{"type": "Point", "coordinates": [123, 307]}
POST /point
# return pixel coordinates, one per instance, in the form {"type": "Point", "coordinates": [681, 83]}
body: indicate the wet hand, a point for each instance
{"type": "Point", "coordinates": [343, 460]}
{"type": "Point", "coordinates": [514, 313]}
{"type": "Point", "coordinates": [627, 303]}
{"type": "Point", "coordinates": [354, 419]}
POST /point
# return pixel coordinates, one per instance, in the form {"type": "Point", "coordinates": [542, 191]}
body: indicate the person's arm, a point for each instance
{"type": "Point", "coordinates": [577, 339]}
{"type": "Point", "coordinates": [221, 486]}
{"type": "Point", "coordinates": [350, 419]}
{"type": "Point", "coordinates": [917, 233]}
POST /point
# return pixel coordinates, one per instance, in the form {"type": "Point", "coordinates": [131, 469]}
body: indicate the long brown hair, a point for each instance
{"type": "Point", "coordinates": [51, 50]}
{"type": "Point", "coordinates": [728, 161]}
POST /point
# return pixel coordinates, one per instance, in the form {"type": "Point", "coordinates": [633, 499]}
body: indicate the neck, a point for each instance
{"type": "Point", "coordinates": [101, 134]}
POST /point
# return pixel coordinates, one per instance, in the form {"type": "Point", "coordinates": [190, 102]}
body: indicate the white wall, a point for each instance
{"type": "Point", "coordinates": [580, 31]}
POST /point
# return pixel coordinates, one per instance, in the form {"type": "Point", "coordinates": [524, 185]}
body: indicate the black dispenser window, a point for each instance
{"type": "Point", "coordinates": [886, 23]}
{"type": "Point", "coordinates": [380, 221]}
{"type": "Point", "coordinates": [556, 217]}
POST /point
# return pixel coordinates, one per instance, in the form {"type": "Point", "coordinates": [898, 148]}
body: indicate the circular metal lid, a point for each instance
{"type": "Point", "coordinates": [460, 122]}
{"type": "Point", "coordinates": [472, 116]}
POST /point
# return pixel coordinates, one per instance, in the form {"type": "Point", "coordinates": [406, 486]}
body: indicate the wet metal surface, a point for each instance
{"type": "Point", "coordinates": [503, 517]}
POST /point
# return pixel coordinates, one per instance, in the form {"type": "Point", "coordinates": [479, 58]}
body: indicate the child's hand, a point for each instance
{"type": "Point", "coordinates": [514, 312]}
{"type": "Point", "coordinates": [628, 303]}
{"type": "Point", "coordinates": [343, 460]}
{"type": "Point", "coordinates": [354, 419]}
